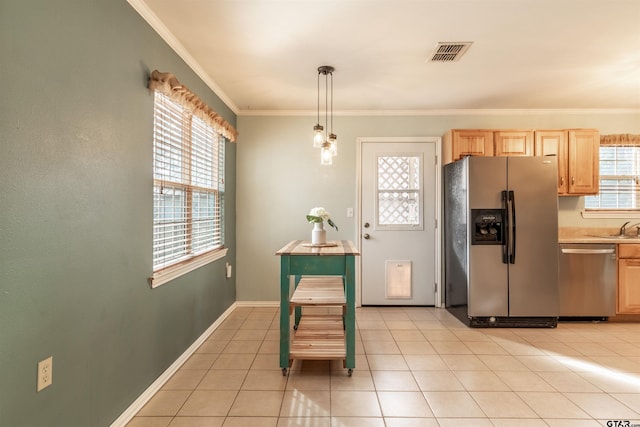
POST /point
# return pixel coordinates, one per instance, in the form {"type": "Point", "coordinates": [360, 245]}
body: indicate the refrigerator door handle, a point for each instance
{"type": "Point", "coordinates": [512, 223]}
{"type": "Point", "coordinates": [505, 245]}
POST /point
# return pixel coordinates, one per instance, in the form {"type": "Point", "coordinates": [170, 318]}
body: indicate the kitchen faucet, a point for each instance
{"type": "Point", "coordinates": [623, 229]}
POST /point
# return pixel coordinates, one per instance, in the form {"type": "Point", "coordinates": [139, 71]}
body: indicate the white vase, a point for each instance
{"type": "Point", "coordinates": [318, 234]}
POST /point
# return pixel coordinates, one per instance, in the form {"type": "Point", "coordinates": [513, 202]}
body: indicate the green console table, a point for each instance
{"type": "Point", "coordinates": [317, 337]}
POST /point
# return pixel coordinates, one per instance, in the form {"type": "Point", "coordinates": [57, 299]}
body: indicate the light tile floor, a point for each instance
{"type": "Point", "coordinates": [415, 367]}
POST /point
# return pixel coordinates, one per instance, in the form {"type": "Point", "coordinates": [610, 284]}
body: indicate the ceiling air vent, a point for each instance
{"type": "Point", "coordinates": [449, 51]}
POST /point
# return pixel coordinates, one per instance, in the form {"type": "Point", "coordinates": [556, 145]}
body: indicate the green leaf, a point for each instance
{"type": "Point", "coordinates": [312, 218]}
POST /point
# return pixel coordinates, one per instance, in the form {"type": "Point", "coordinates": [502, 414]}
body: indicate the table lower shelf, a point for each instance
{"type": "Point", "coordinates": [319, 337]}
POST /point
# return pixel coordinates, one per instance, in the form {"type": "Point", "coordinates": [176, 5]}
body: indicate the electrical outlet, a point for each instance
{"type": "Point", "coordinates": [45, 373]}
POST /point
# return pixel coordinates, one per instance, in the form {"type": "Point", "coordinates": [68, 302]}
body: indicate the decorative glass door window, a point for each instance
{"type": "Point", "coordinates": [399, 194]}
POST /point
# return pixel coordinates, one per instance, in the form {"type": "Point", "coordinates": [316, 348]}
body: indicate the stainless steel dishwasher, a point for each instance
{"type": "Point", "coordinates": [588, 277]}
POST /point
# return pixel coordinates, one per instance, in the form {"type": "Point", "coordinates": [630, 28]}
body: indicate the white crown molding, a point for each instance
{"type": "Point", "coordinates": [445, 112]}
{"type": "Point", "coordinates": [152, 19]}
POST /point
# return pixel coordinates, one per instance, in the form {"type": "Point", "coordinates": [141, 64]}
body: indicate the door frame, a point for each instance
{"type": "Point", "coordinates": [437, 206]}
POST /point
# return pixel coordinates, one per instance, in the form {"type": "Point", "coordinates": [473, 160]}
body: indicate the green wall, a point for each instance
{"type": "Point", "coordinates": [275, 155]}
{"type": "Point", "coordinates": [76, 215]}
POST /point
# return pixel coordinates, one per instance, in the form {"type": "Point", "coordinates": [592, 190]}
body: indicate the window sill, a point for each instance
{"type": "Point", "coordinates": [167, 274]}
{"type": "Point", "coordinates": [611, 214]}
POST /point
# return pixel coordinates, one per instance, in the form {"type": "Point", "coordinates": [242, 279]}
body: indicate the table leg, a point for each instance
{"type": "Point", "coordinates": [298, 309]}
{"type": "Point", "coordinates": [284, 313]}
{"type": "Point", "coordinates": [350, 317]}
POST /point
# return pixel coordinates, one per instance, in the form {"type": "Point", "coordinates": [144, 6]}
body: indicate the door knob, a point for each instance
{"type": "Point", "coordinates": [366, 225]}
{"type": "Point", "coordinates": [366, 236]}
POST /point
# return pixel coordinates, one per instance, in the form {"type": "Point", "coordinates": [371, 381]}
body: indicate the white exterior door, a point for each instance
{"type": "Point", "coordinates": [399, 209]}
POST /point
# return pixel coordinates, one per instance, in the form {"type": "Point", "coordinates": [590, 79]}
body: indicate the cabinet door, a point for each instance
{"type": "Point", "coordinates": [513, 143]}
{"type": "Point", "coordinates": [584, 161]}
{"type": "Point", "coordinates": [554, 143]}
{"type": "Point", "coordinates": [472, 143]}
{"type": "Point", "coordinates": [629, 286]}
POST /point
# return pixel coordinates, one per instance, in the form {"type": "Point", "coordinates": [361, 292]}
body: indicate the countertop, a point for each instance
{"type": "Point", "coordinates": [337, 247]}
{"type": "Point", "coordinates": [594, 235]}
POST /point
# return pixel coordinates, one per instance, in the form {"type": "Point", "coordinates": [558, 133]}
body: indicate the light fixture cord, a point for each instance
{"type": "Point", "coordinates": [318, 97]}
{"type": "Point", "coordinates": [326, 105]}
{"type": "Point", "coordinates": [331, 102]}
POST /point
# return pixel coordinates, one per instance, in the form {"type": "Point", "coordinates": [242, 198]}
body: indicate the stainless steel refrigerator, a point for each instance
{"type": "Point", "coordinates": [501, 241]}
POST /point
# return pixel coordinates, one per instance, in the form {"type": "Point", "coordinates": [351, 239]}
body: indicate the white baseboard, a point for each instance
{"type": "Point", "coordinates": [135, 407]}
{"type": "Point", "coordinates": [257, 303]}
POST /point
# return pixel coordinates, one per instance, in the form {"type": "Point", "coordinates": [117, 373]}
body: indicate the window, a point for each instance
{"type": "Point", "coordinates": [188, 180]}
{"type": "Point", "coordinates": [619, 175]}
{"type": "Point", "coordinates": [399, 192]}
{"type": "Point", "coordinates": [188, 189]}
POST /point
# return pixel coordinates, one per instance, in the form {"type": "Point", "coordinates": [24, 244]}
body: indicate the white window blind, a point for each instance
{"type": "Point", "coordinates": [619, 178]}
{"type": "Point", "coordinates": [188, 162]}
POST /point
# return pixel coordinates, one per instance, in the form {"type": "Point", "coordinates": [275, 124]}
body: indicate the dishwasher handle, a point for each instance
{"type": "Point", "coordinates": [587, 251]}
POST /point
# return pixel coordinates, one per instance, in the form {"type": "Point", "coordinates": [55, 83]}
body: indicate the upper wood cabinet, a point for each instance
{"type": "Point", "coordinates": [486, 142]}
{"type": "Point", "coordinates": [554, 143]}
{"type": "Point", "coordinates": [584, 161]}
{"type": "Point", "coordinates": [513, 143]}
{"type": "Point", "coordinates": [578, 154]}
{"type": "Point", "coordinates": [467, 142]}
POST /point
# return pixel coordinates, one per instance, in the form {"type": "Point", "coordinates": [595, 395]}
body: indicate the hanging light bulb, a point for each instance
{"type": "Point", "coordinates": [334, 144]}
{"type": "Point", "coordinates": [326, 158]}
{"type": "Point", "coordinates": [317, 135]}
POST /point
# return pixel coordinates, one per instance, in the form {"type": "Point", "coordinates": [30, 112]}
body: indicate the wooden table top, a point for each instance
{"type": "Point", "coordinates": [302, 247]}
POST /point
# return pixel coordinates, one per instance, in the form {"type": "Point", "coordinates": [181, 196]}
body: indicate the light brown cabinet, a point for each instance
{"type": "Point", "coordinates": [578, 153]}
{"type": "Point", "coordinates": [513, 143]}
{"type": "Point", "coordinates": [554, 143]}
{"type": "Point", "coordinates": [467, 142]}
{"type": "Point", "coordinates": [628, 279]}
{"type": "Point", "coordinates": [486, 142]}
{"type": "Point", "coordinates": [583, 169]}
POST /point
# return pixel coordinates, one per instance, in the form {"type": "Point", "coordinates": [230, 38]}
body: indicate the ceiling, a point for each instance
{"type": "Point", "coordinates": [261, 56]}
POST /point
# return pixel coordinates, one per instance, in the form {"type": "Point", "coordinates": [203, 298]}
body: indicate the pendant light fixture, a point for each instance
{"type": "Point", "coordinates": [323, 136]}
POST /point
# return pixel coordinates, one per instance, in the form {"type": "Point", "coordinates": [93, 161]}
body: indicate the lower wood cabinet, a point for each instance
{"type": "Point", "coordinates": [628, 279]}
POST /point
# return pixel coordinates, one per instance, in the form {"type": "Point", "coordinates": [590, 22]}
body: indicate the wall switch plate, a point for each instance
{"type": "Point", "coordinates": [45, 373]}
{"type": "Point", "coordinates": [229, 270]}
{"type": "Point", "coordinates": [349, 212]}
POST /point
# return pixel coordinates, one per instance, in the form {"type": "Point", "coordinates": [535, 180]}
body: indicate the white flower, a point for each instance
{"type": "Point", "coordinates": [320, 212]}
{"type": "Point", "coordinates": [320, 215]}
